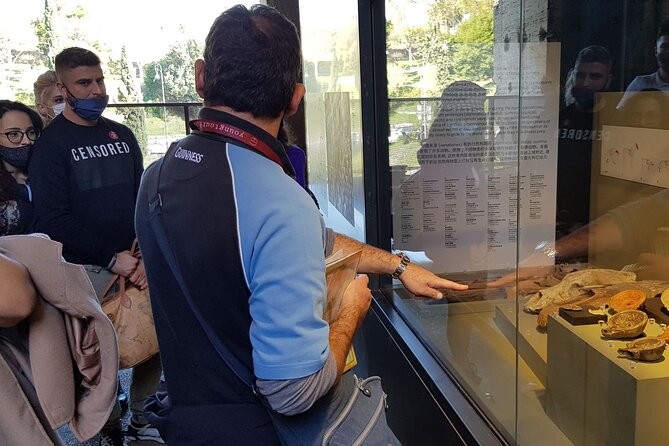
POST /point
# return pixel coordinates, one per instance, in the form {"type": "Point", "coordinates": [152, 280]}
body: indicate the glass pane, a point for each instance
{"type": "Point", "coordinates": [529, 138]}
{"type": "Point", "coordinates": [333, 116]}
{"type": "Point", "coordinates": [454, 111]}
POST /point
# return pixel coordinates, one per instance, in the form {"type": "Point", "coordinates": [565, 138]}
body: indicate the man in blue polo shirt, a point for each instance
{"type": "Point", "coordinates": [250, 243]}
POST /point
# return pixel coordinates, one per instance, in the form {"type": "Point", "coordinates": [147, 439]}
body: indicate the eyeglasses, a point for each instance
{"type": "Point", "coordinates": [16, 136]}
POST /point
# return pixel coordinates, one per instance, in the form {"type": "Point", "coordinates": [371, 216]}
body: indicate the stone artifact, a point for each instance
{"type": "Point", "coordinates": [628, 300]}
{"type": "Point", "coordinates": [576, 285]}
{"type": "Point", "coordinates": [626, 324]}
{"type": "Point", "coordinates": [644, 349]}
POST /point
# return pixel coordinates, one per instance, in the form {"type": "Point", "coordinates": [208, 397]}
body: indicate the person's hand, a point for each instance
{"type": "Point", "coordinates": [125, 264]}
{"type": "Point", "coordinates": [534, 266]}
{"type": "Point", "coordinates": [138, 277]}
{"type": "Point", "coordinates": [424, 283]}
{"type": "Point", "coordinates": [653, 267]}
{"type": "Point", "coordinates": [357, 297]}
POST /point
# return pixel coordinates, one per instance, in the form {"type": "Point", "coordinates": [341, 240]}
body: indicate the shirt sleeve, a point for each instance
{"type": "Point", "coordinates": [294, 396]}
{"type": "Point", "coordinates": [281, 238]}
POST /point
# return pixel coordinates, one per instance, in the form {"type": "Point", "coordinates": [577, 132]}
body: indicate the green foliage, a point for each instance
{"type": "Point", "coordinates": [45, 37]}
{"type": "Point", "coordinates": [25, 98]}
{"type": "Point", "coordinates": [470, 51]}
{"type": "Point", "coordinates": [134, 117]}
{"type": "Point", "coordinates": [445, 14]}
{"type": "Point", "coordinates": [178, 76]}
{"type": "Point", "coordinates": [425, 44]}
{"type": "Point", "coordinates": [155, 126]}
{"type": "Point", "coordinates": [389, 30]}
{"type": "Point", "coordinates": [478, 29]}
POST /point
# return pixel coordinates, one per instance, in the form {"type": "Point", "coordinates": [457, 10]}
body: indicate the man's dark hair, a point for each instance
{"type": "Point", "coordinates": [252, 61]}
{"type": "Point", "coordinates": [663, 30]}
{"type": "Point", "coordinates": [594, 54]}
{"type": "Point", "coordinates": [74, 57]}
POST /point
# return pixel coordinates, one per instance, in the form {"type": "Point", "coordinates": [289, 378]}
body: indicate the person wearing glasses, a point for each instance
{"type": "Point", "coordinates": [20, 127]}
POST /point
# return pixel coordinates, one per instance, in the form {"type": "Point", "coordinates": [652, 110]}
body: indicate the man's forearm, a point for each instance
{"type": "Point", "coordinates": [373, 260]}
{"type": "Point", "coordinates": [342, 331]}
{"type": "Point", "coordinates": [602, 234]}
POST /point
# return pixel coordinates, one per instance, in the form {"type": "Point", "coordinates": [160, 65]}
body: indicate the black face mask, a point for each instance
{"type": "Point", "coordinates": [18, 156]}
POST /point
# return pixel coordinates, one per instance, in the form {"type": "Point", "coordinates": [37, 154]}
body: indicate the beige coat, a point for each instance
{"type": "Point", "coordinates": [73, 355]}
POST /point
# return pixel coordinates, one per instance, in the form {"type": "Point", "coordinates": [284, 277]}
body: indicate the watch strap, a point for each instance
{"type": "Point", "coordinates": [404, 261]}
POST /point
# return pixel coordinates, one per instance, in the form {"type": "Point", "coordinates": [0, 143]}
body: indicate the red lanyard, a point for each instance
{"type": "Point", "coordinates": [238, 134]}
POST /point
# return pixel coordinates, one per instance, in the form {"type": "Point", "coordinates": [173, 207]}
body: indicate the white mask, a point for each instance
{"type": "Point", "coordinates": [58, 109]}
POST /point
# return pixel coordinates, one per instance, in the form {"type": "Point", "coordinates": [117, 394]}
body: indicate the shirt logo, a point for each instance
{"type": "Point", "coordinates": [188, 155]}
{"type": "Point", "coordinates": [113, 135]}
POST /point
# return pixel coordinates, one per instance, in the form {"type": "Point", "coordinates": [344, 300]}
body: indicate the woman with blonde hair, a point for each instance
{"type": "Point", "coordinates": [48, 100]}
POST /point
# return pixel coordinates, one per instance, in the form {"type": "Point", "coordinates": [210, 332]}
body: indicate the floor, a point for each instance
{"type": "Point", "coordinates": [68, 438]}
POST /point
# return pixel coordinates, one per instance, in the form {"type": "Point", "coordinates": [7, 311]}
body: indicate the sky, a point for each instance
{"type": "Point", "coordinates": [145, 27]}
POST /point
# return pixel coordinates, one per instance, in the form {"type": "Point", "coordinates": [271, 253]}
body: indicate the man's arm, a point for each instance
{"type": "Point", "coordinates": [602, 234]}
{"type": "Point", "coordinates": [291, 397]}
{"type": "Point", "coordinates": [415, 279]}
{"type": "Point", "coordinates": [17, 293]}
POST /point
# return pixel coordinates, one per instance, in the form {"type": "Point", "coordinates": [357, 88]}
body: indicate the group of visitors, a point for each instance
{"type": "Point", "coordinates": [248, 239]}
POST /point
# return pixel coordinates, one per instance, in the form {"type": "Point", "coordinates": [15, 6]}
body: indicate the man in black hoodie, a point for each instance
{"type": "Point", "coordinates": [87, 170]}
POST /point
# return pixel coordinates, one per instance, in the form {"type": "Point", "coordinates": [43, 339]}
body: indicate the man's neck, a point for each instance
{"type": "Point", "coordinates": [71, 116]}
{"type": "Point", "coordinates": [664, 75]}
{"type": "Point", "coordinates": [271, 126]}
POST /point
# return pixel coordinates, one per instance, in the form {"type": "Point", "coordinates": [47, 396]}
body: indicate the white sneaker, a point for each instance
{"type": "Point", "coordinates": [144, 432]}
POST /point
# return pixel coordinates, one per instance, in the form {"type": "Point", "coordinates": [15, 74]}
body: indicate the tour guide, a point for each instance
{"type": "Point", "coordinates": [249, 243]}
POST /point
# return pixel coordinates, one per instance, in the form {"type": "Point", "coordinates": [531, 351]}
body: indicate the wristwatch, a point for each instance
{"type": "Point", "coordinates": [404, 261]}
{"type": "Point", "coordinates": [548, 249]}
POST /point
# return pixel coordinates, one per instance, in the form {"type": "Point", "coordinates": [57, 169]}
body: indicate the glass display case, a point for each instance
{"type": "Point", "coordinates": [524, 151]}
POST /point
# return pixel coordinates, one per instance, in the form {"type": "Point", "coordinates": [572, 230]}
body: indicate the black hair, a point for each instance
{"type": "Point", "coordinates": [75, 57]}
{"type": "Point", "coordinates": [252, 61]}
{"type": "Point", "coordinates": [594, 54]}
{"type": "Point", "coordinates": [663, 30]}
{"type": "Point", "coordinates": [6, 106]}
{"type": "Point", "coordinates": [6, 180]}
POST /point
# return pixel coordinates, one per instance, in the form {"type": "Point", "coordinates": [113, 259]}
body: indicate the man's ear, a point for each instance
{"type": "Point", "coordinates": [199, 77]}
{"type": "Point", "coordinates": [298, 94]}
{"type": "Point", "coordinates": [61, 89]}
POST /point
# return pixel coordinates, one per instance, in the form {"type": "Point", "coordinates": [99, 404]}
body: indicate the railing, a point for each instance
{"type": "Point", "coordinates": [184, 105]}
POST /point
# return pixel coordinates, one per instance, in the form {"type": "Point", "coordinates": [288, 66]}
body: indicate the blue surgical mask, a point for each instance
{"type": "Point", "coordinates": [16, 156]}
{"type": "Point", "coordinates": [88, 109]}
{"type": "Point", "coordinates": [585, 97]}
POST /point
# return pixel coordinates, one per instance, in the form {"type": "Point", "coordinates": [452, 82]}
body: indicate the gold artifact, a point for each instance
{"type": "Point", "coordinates": [628, 300]}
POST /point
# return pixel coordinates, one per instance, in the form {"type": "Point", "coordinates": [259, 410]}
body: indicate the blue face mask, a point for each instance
{"type": "Point", "coordinates": [88, 109]}
{"type": "Point", "coordinates": [585, 97]}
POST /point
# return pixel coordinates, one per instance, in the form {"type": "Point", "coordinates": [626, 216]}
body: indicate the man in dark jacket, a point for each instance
{"type": "Point", "coordinates": [249, 243]}
{"type": "Point", "coordinates": [85, 173]}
